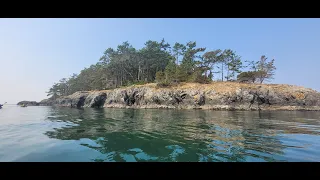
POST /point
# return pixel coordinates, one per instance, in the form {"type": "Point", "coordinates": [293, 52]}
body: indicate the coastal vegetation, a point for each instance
{"type": "Point", "coordinates": [165, 65]}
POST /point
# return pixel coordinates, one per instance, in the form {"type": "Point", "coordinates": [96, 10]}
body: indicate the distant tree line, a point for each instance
{"type": "Point", "coordinates": [161, 63]}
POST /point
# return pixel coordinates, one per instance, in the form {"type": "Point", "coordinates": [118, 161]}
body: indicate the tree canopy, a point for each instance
{"type": "Point", "coordinates": [161, 63]}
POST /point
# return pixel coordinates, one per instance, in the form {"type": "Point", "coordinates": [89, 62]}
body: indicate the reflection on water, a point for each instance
{"type": "Point", "coordinates": [168, 135]}
{"type": "Point", "coordinates": [190, 135]}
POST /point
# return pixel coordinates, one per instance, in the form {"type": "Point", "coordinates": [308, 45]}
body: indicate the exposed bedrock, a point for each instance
{"type": "Point", "coordinates": [224, 96]}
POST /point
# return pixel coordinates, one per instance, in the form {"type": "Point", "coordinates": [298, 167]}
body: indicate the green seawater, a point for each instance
{"type": "Point", "coordinates": [47, 134]}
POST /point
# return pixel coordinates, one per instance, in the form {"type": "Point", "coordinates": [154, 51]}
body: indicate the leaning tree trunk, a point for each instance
{"type": "Point", "coordinates": [261, 80]}
{"type": "Point", "coordinates": [139, 73]}
{"type": "Point", "coordinates": [227, 72]}
{"type": "Point", "coordinates": [222, 71]}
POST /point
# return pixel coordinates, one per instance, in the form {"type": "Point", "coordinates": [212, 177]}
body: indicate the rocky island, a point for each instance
{"type": "Point", "coordinates": [215, 96]}
{"type": "Point", "coordinates": [181, 76]}
{"type": "Point", "coordinates": [28, 103]}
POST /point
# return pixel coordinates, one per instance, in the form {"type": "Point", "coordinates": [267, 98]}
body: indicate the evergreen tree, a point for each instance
{"type": "Point", "coordinates": [157, 61]}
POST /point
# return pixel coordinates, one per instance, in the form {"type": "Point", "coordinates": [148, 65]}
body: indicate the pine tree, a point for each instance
{"type": "Point", "coordinates": [265, 70]}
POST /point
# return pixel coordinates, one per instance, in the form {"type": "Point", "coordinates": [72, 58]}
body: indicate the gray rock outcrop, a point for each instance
{"type": "Point", "coordinates": [217, 96]}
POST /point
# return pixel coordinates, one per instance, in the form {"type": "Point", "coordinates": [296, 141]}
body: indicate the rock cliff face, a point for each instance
{"type": "Point", "coordinates": [216, 96]}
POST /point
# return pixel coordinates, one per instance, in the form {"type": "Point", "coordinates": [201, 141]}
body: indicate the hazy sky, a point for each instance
{"type": "Point", "coordinates": [35, 53]}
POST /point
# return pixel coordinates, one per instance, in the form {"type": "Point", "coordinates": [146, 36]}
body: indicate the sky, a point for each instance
{"type": "Point", "coordinates": [35, 53]}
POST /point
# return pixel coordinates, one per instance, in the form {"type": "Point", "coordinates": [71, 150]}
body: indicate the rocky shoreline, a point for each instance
{"type": "Point", "coordinates": [214, 96]}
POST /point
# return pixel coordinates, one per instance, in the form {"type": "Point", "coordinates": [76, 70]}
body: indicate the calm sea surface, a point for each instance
{"type": "Point", "coordinates": [117, 135]}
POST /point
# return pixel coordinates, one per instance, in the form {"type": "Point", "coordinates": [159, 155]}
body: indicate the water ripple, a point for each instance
{"type": "Point", "coordinates": [110, 135]}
